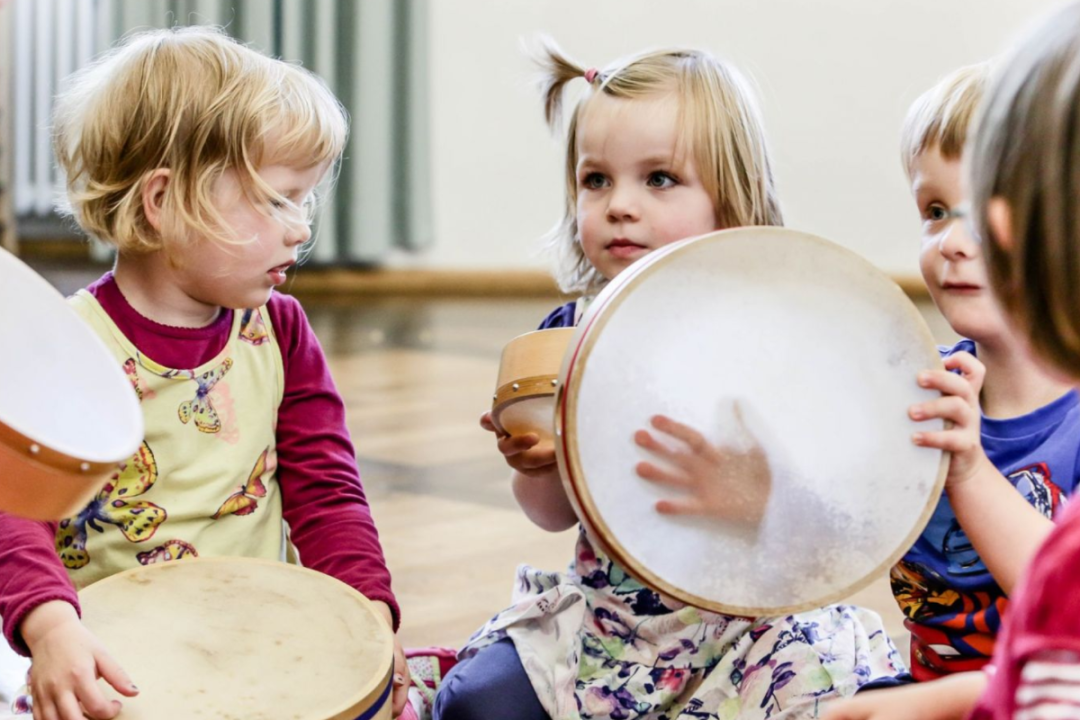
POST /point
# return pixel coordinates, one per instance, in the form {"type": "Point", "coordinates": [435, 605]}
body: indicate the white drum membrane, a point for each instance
{"type": "Point", "coordinates": [821, 353]}
{"type": "Point", "coordinates": [59, 385]}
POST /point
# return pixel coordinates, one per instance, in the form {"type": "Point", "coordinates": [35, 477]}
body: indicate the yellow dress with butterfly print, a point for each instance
{"type": "Point", "coordinates": [203, 482]}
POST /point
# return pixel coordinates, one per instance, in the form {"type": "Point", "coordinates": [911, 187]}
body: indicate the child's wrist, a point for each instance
{"type": "Point", "coordinates": [980, 467]}
{"type": "Point", "coordinates": [44, 618]}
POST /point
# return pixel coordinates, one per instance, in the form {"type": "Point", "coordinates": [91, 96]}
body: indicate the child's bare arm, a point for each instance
{"type": "Point", "coordinates": [67, 662]}
{"type": "Point", "coordinates": [535, 480]}
{"type": "Point", "coordinates": [950, 698]}
{"type": "Point", "coordinates": [1002, 526]}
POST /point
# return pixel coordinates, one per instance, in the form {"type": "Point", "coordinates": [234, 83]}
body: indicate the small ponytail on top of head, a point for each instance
{"type": "Point", "coordinates": [556, 70]}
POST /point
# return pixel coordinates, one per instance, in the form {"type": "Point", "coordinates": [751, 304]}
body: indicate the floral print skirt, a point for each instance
{"type": "Point", "coordinates": [597, 644]}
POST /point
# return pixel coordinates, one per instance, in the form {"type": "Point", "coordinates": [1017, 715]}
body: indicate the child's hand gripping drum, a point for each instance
{"type": "Point", "coordinates": [68, 415]}
{"type": "Point", "coordinates": [524, 400]}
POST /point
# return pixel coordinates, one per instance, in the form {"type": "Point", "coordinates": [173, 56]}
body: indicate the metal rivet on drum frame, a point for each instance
{"type": "Point", "coordinates": [85, 467]}
{"type": "Point", "coordinates": [35, 449]}
{"type": "Point", "coordinates": [515, 387]}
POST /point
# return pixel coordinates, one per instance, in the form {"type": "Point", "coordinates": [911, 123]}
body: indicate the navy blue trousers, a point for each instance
{"type": "Point", "coordinates": [491, 685]}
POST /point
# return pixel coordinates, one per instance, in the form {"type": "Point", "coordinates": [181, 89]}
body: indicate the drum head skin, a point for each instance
{"type": "Point", "coordinates": [220, 638]}
{"type": "Point", "coordinates": [818, 351]}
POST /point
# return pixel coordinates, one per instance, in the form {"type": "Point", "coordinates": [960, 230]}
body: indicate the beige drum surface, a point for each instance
{"type": "Point", "coordinates": [68, 415]}
{"type": "Point", "coordinates": [820, 352]}
{"type": "Point", "coordinates": [242, 639]}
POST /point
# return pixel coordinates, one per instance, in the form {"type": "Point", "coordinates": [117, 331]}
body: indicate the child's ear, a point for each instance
{"type": "Point", "coordinates": [999, 217]}
{"type": "Point", "coordinates": [153, 196]}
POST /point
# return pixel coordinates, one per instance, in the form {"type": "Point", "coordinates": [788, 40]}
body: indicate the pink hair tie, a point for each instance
{"type": "Point", "coordinates": [590, 75]}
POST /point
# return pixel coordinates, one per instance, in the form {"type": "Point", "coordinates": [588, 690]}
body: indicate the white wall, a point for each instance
{"type": "Point", "coordinates": [836, 77]}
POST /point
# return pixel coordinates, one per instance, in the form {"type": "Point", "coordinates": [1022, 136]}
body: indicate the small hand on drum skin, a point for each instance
{"type": "Point", "coordinates": [519, 452]}
{"type": "Point", "coordinates": [959, 405]}
{"type": "Point", "coordinates": [68, 660]}
{"type": "Point", "coordinates": [724, 483]}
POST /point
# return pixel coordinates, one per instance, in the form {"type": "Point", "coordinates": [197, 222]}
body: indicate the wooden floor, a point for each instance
{"type": "Point", "coordinates": [416, 373]}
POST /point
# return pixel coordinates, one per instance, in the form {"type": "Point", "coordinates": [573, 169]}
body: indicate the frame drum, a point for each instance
{"type": "Point", "coordinates": [242, 638]}
{"type": "Point", "coordinates": [775, 335]}
{"type": "Point", "coordinates": [68, 415]}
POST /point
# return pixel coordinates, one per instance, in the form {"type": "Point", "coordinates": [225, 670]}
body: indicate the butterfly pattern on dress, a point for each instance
{"type": "Point", "coordinates": [201, 409]}
{"type": "Point", "coordinates": [142, 390]}
{"type": "Point", "coordinates": [138, 520]}
{"type": "Point", "coordinates": [246, 500]}
{"type": "Point", "coordinates": [172, 550]}
{"type": "Point", "coordinates": [253, 328]}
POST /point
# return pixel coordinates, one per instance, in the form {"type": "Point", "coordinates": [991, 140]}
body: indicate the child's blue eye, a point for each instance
{"type": "Point", "coordinates": [936, 213]}
{"type": "Point", "coordinates": [594, 181]}
{"type": "Point", "coordinates": [660, 179]}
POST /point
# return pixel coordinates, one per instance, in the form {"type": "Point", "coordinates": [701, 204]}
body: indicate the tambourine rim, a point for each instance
{"type": "Point", "coordinates": [39, 454]}
{"type": "Point", "coordinates": [364, 699]}
{"type": "Point", "coordinates": [63, 455]}
{"type": "Point", "coordinates": [596, 317]}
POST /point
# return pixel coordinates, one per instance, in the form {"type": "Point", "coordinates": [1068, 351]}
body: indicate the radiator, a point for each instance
{"type": "Point", "coordinates": [371, 52]}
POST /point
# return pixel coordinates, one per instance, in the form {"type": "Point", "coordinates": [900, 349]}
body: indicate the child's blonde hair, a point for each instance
{"type": "Point", "coordinates": [198, 103]}
{"type": "Point", "coordinates": [1026, 151]}
{"type": "Point", "coordinates": [941, 117]}
{"type": "Point", "coordinates": [720, 118]}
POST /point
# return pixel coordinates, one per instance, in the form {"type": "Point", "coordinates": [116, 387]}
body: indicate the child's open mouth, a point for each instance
{"type": "Point", "coordinates": [277, 274]}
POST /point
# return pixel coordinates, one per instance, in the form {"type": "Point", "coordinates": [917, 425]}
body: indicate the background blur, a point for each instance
{"type": "Point", "coordinates": [451, 167]}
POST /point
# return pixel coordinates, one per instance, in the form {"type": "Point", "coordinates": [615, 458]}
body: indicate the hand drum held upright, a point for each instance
{"type": "Point", "coordinates": [775, 335]}
{"type": "Point", "coordinates": [68, 415]}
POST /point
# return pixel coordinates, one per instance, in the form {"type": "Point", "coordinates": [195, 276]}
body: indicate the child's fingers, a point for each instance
{"type": "Point", "coordinates": [92, 700]}
{"type": "Point", "coordinates": [533, 460]}
{"type": "Point", "coordinates": [67, 708]}
{"type": "Point", "coordinates": [487, 423]}
{"type": "Point", "coordinates": [693, 439]}
{"type": "Point", "coordinates": [949, 384]}
{"type": "Point", "coordinates": [948, 440]}
{"type": "Point", "coordinates": [643, 439]}
{"type": "Point", "coordinates": [681, 506]}
{"type": "Point", "coordinates": [949, 407]}
{"type": "Point", "coordinates": [39, 706]}
{"type": "Point", "coordinates": [651, 472]}
{"type": "Point", "coordinates": [969, 366]}
{"type": "Point", "coordinates": [115, 675]}
{"type": "Point", "coordinates": [516, 444]}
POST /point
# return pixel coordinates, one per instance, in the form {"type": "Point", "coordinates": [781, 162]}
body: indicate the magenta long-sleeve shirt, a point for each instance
{"type": "Point", "coordinates": [322, 500]}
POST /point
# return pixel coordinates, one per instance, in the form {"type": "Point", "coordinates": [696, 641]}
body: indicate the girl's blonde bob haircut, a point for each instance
{"type": "Point", "coordinates": [1026, 151]}
{"type": "Point", "coordinates": [721, 125]}
{"type": "Point", "coordinates": [941, 117]}
{"type": "Point", "coordinates": [193, 101]}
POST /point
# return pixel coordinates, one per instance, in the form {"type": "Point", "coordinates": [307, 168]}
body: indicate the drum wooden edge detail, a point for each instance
{"type": "Point", "coordinates": [365, 702]}
{"type": "Point", "coordinates": [39, 454]}
{"type": "Point", "coordinates": [536, 386]}
{"type": "Point", "coordinates": [595, 319]}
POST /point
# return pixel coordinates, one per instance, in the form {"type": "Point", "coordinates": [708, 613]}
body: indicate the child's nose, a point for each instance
{"type": "Point", "coordinates": [623, 205]}
{"type": "Point", "coordinates": [956, 241]}
{"type": "Point", "coordinates": [298, 233]}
